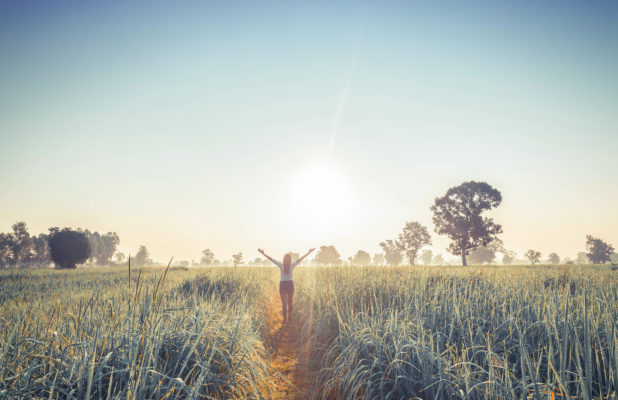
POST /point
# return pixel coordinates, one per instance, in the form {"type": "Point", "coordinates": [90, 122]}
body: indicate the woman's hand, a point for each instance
{"type": "Point", "coordinates": [310, 250]}
{"type": "Point", "coordinates": [261, 251]}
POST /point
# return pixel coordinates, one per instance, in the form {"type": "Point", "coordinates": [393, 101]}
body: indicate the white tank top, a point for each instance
{"type": "Point", "coordinates": [288, 276]}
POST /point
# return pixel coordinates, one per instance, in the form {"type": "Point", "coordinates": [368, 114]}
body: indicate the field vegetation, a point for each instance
{"type": "Point", "coordinates": [542, 332]}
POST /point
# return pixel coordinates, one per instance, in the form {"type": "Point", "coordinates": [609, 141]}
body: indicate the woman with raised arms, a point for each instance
{"type": "Point", "coordinates": [286, 284]}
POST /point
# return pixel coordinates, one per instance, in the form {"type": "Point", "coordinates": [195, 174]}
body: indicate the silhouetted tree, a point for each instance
{"type": "Point", "coordinates": [553, 258]}
{"type": "Point", "coordinates": [207, 257]}
{"type": "Point", "coordinates": [361, 258]}
{"type": "Point", "coordinates": [413, 237]}
{"type": "Point", "coordinates": [533, 255]}
{"type": "Point", "coordinates": [458, 215]}
{"type": "Point", "coordinates": [427, 257]}
{"type": "Point", "coordinates": [378, 259]}
{"type": "Point", "coordinates": [327, 255]}
{"type": "Point", "coordinates": [481, 255]}
{"type": "Point", "coordinates": [141, 257]}
{"type": "Point", "coordinates": [392, 252]}
{"type": "Point", "coordinates": [22, 244]}
{"type": "Point", "coordinates": [237, 259]}
{"type": "Point", "coordinates": [599, 252]}
{"type": "Point", "coordinates": [68, 248]}
{"type": "Point", "coordinates": [6, 249]}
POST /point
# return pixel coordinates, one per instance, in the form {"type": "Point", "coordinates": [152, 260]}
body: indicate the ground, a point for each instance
{"type": "Point", "coordinates": [291, 373]}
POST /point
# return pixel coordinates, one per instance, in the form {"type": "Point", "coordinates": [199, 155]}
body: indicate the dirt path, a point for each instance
{"type": "Point", "coordinates": [292, 377]}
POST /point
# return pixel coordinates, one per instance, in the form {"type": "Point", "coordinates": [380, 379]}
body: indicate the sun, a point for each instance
{"type": "Point", "coordinates": [321, 199]}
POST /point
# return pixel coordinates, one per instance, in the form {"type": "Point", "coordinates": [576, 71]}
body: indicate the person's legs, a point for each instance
{"type": "Point", "coordinates": [283, 295]}
{"type": "Point", "coordinates": [290, 298]}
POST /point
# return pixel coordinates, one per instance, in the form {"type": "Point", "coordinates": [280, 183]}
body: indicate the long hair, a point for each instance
{"type": "Point", "coordinates": [287, 262]}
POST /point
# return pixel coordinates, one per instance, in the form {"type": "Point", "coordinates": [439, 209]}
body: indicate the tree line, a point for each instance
{"type": "Point", "coordinates": [20, 249]}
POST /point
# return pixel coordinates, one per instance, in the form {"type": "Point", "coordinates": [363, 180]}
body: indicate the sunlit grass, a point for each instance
{"type": "Point", "coordinates": [86, 334]}
{"type": "Point", "coordinates": [473, 333]}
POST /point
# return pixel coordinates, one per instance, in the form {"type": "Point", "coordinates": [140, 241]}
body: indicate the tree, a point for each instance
{"type": "Point", "coordinates": [438, 260]}
{"type": "Point", "coordinates": [6, 249]}
{"type": "Point", "coordinates": [412, 238]}
{"type": "Point", "coordinates": [327, 255]}
{"type": "Point", "coordinates": [22, 244]}
{"type": "Point", "coordinates": [40, 250]}
{"type": "Point", "coordinates": [553, 258]}
{"type": "Point", "coordinates": [481, 255]}
{"type": "Point", "coordinates": [533, 255]}
{"type": "Point", "coordinates": [107, 247]}
{"type": "Point", "coordinates": [142, 256]}
{"type": "Point", "coordinates": [614, 258]}
{"type": "Point", "coordinates": [458, 215]}
{"type": "Point", "coordinates": [427, 257]}
{"type": "Point", "coordinates": [392, 252]}
{"type": "Point", "coordinates": [258, 261]}
{"type": "Point", "coordinates": [207, 257]}
{"type": "Point", "coordinates": [237, 259]}
{"type": "Point", "coordinates": [378, 259]}
{"type": "Point", "coordinates": [508, 257]}
{"type": "Point", "coordinates": [582, 258]}
{"type": "Point", "coordinates": [68, 248]}
{"type": "Point", "coordinates": [599, 252]}
{"type": "Point", "coordinates": [361, 258]}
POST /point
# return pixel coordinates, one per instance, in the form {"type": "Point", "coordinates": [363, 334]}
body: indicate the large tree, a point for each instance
{"type": "Point", "coordinates": [392, 252]}
{"type": "Point", "coordinates": [68, 248]}
{"type": "Point", "coordinates": [412, 238]}
{"type": "Point", "coordinates": [327, 255]}
{"type": "Point", "coordinates": [599, 252]}
{"type": "Point", "coordinates": [458, 215]}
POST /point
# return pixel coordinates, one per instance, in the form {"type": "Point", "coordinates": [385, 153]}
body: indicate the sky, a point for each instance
{"type": "Point", "coordinates": [233, 125]}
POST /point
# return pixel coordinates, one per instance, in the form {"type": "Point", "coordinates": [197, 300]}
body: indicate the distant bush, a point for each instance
{"type": "Point", "coordinates": [68, 248]}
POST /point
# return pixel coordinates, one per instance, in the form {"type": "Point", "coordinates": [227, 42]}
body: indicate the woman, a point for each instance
{"type": "Point", "coordinates": [286, 284]}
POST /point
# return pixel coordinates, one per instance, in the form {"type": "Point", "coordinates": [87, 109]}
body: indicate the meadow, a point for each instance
{"type": "Point", "coordinates": [491, 332]}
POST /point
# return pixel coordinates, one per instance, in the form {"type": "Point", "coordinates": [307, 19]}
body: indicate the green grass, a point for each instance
{"type": "Point", "coordinates": [87, 334]}
{"type": "Point", "coordinates": [469, 333]}
{"type": "Point", "coordinates": [374, 332]}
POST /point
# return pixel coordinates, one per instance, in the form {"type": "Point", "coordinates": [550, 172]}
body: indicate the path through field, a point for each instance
{"type": "Point", "coordinates": [292, 376]}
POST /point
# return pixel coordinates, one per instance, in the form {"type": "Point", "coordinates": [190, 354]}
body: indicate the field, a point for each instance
{"type": "Point", "coordinates": [374, 332]}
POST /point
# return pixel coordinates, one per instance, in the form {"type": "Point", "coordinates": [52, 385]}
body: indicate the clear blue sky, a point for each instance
{"type": "Point", "coordinates": [187, 125]}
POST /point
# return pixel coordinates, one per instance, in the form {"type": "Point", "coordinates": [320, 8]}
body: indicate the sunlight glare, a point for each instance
{"type": "Point", "coordinates": [321, 199]}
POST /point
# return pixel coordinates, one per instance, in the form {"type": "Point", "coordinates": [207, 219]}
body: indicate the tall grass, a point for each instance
{"type": "Point", "coordinates": [469, 333]}
{"type": "Point", "coordinates": [85, 335]}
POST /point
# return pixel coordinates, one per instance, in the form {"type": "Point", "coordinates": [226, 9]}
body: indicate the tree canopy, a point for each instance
{"type": "Point", "coordinates": [458, 215]}
{"type": "Point", "coordinates": [412, 238]}
{"type": "Point", "coordinates": [599, 252]}
{"type": "Point", "coordinates": [327, 255]}
{"type": "Point", "coordinates": [68, 248]}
